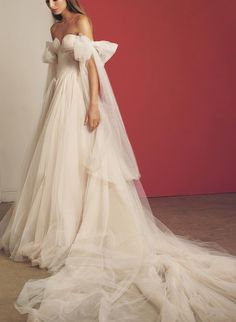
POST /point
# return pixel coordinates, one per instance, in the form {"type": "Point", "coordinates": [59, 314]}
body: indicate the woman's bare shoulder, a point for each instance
{"type": "Point", "coordinates": [84, 25]}
{"type": "Point", "coordinates": [83, 19]}
{"type": "Point", "coordinates": [53, 29]}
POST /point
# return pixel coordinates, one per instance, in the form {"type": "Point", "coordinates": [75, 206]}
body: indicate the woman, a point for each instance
{"type": "Point", "coordinates": [83, 202]}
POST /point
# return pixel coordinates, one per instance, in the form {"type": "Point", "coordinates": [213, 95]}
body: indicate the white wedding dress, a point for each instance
{"type": "Point", "coordinates": [81, 212]}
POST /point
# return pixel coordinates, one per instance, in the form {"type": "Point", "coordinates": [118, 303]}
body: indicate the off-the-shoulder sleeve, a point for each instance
{"type": "Point", "coordinates": [49, 54]}
{"type": "Point", "coordinates": [84, 48]}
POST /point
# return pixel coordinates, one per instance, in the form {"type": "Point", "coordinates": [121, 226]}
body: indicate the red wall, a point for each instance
{"type": "Point", "coordinates": [174, 77]}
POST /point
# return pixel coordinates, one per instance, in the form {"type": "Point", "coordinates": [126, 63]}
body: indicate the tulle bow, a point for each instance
{"type": "Point", "coordinates": [84, 48]}
{"type": "Point", "coordinates": [106, 49]}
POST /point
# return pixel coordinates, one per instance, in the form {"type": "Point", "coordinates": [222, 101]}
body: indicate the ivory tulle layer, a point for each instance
{"type": "Point", "coordinates": [82, 213]}
{"type": "Point", "coordinates": [122, 267]}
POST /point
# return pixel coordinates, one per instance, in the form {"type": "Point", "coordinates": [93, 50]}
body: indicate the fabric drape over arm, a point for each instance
{"type": "Point", "coordinates": [112, 123]}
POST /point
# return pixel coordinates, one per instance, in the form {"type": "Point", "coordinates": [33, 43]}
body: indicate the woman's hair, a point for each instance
{"type": "Point", "coordinates": [73, 6]}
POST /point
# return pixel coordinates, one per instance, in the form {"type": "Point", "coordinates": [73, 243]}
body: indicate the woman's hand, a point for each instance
{"type": "Point", "coordinates": [92, 117]}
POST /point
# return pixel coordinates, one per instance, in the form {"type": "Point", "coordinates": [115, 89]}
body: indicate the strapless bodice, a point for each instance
{"type": "Point", "coordinates": [73, 49]}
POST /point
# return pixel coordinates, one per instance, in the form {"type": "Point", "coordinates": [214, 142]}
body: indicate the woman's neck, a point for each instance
{"type": "Point", "coordinates": [67, 15]}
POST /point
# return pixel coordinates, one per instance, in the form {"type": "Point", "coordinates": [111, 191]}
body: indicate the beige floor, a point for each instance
{"type": "Point", "coordinates": [205, 217]}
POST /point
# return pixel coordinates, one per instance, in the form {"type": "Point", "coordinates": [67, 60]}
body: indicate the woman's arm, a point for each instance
{"type": "Point", "coordinates": [92, 116]}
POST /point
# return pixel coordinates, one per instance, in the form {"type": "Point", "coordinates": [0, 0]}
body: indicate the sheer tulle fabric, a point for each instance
{"type": "Point", "coordinates": [85, 215]}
